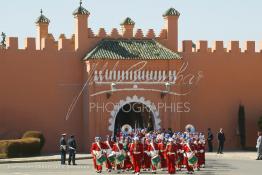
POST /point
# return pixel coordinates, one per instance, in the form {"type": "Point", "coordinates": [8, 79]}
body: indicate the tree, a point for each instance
{"type": "Point", "coordinates": [241, 126]}
{"type": "Point", "coordinates": [259, 124]}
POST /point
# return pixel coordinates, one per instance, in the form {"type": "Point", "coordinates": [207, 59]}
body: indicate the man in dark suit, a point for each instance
{"type": "Point", "coordinates": [62, 143]}
{"type": "Point", "coordinates": [221, 140]}
{"type": "Point", "coordinates": [210, 140]}
{"type": "Point", "coordinates": [72, 150]}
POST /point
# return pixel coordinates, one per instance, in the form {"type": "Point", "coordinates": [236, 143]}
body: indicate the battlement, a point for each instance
{"type": "Point", "coordinates": [84, 38]}
{"type": "Point", "coordinates": [233, 47]}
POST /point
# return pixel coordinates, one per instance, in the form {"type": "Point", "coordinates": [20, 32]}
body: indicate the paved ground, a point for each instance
{"type": "Point", "coordinates": [236, 163]}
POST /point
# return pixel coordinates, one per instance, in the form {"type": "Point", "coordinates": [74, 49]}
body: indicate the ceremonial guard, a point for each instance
{"type": "Point", "coordinates": [154, 154]}
{"type": "Point", "coordinates": [162, 153]}
{"type": "Point", "coordinates": [63, 149]}
{"type": "Point", "coordinates": [72, 150]}
{"type": "Point", "coordinates": [109, 155]}
{"type": "Point", "coordinates": [98, 152]}
{"type": "Point", "coordinates": [146, 155]}
{"type": "Point", "coordinates": [180, 155]}
{"type": "Point", "coordinates": [171, 150]}
{"type": "Point", "coordinates": [136, 151]}
{"type": "Point", "coordinates": [201, 154]}
{"type": "Point", "coordinates": [118, 151]}
{"type": "Point", "coordinates": [127, 162]}
{"type": "Point", "coordinates": [189, 158]}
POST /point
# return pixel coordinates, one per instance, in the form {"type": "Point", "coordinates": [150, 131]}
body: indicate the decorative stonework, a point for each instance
{"type": "Point", "coordinates": [133, 99]}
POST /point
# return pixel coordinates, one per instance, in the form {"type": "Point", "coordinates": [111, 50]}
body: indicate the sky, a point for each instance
{"type": "Point", "coordinates": [200, 19]}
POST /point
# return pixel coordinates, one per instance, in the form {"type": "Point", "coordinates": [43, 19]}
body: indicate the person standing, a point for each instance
{"type": "Point", "coordinates": [136, 151]}
{"type": "Point", "coordinates": [171, 156]}
{"type": "Point", "coordinates": [259, 146]}
{"type": "Point", "coordinates": [210, 140]}
{"type": "Point", "coordinates": [72, 150]}
{"type": "Point", "coordinates": [62, 143]}
{"type": "Point", "coordinates": [221, 140]}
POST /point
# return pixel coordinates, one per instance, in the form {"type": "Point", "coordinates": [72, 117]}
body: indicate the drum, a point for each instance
{"type": "Point", "coordinates": [155, 160]}
{"type": "Point", "coordinates": [192, 159]}
{"type": "Point", "coordinates": [120, 158]}
{"type": "Point", "coordinates": [111, 157]}
{"type": "Point", "coordinates": [100, 159]}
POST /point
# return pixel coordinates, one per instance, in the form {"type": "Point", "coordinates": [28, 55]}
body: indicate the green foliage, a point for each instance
{"type": "Point", "coordinates": [30, 145]}
{"type": "Point", "coordinates": [35, 134]}
{"type": "Point", "coordinates": [241, 126]}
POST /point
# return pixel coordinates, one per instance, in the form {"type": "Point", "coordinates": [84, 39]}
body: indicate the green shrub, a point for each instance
{"type": "Point", "coordinates": [35, 134]}
{"type": "Point", "coordinates": [3, 146]}
{"type": "Point", "coordinates": [23, 147]}
{"type": "Point", "coordinates": [31, 144]}
{"type": "Point", "coordinates": [259, 123]}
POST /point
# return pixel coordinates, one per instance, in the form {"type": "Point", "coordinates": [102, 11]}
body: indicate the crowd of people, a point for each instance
{"type": "Point", "coordinates": [140, 150]}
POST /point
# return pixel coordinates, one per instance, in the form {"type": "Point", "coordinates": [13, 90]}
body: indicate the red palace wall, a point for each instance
{"type": "Point", "coordinates": [38, 86]}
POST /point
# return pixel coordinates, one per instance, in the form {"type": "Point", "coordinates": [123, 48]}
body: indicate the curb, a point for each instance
{"type": "Point", "coordinates": [40, 160]}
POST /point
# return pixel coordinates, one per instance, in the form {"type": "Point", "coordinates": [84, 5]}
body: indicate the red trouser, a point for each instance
{"type": "Point", "coordinates": [137, 162]}
{"type": "Point", "coordinates": [147, 161]}
{"type": "Point", "coordinates": [127, 163]}
{"type": "Point", "coordinates": [108, 164]}
{"type": "Point", "coordinates": [188, 167]}
{"type": "Point", "coordinates": [171, 166]}
{"type": "Point", "coordinates": [163, 161]}
{"type": "Point", "coordinates": [97, 167]}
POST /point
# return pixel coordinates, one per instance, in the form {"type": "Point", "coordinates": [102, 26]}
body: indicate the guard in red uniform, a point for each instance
{"type": "Point", "coordinates": [187, 150]}
{"type": "Point", "coordinates": [153, 150]}
{"type": "Point", "coordinates": [162, 153]}
{"type": "Point", "coordinates": [97, 148]}
{"type": "Point", "coordinates": [146, 157]}
{"type": "Point", "coordinates": [201, 154]}
{"type": "Point", "coordinates": [136, 151]}
{"type": "Point", "coordinates": [127, 162]}
{"type": "Point", "coordinates": [171, 156]}
{"type": "Point", "coordinates": [118, 149]}
{"type": "Point", "coordinates": [109, 145]}
{"type": "Point", "coordinates": [180, 155]}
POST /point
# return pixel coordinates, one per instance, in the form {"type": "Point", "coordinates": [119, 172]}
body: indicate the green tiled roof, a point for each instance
{"type": "Point", "coordinates": [42, 19]}
{"type": "Point", "coordinates": [128, 21]}
{"type": "Point", "coordinates": [171, 12]}
{"type": "Point", "coordinates": [81, 10]}
{"type": "Point", "coordinates": [130, 49]}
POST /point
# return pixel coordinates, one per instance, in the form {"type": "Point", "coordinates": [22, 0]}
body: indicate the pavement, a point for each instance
{"type": "Point", "coordinates": [229, 163]}
{"type": "Point", "coordinates": [46, 158]}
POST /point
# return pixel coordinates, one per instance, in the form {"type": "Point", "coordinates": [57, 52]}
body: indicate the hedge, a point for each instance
{"type": "Point", "coordinates": [30, 145]}
{"type": "Point", "coordinates": [35, 134]}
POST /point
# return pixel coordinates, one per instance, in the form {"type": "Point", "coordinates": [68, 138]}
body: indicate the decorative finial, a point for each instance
{"type": "Point", "coordinates": [81, 3]}
{"type": "Point", "coordinates": [3, 42]}
{"type": "Point", "coordinates": [41, 11]}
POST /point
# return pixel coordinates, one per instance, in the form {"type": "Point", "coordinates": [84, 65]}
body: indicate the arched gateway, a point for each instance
{"type": "Point", "coordinates": [135, 111]}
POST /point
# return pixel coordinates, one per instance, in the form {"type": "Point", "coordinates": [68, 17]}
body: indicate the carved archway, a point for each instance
{"type": "Point", "coordinates": [134, 99]}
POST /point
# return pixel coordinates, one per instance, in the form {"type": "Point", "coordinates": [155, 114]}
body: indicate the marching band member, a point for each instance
{"type": "Point", "coordinates": [146, 155]}
{"type": "Point", "coordinates": [109, 155]}
{"type": "Point", "coordinates": [118, 150]}
{"type": "Point", "coordinates": [201, 153]}
{"type": "Point", "coordinates": [162, 153]}
{"type": "Point", "coordinates": [187, 153]}
{"type": "Point", "coordinates": [154, 153]}
{"type": "Point", "coordinates": [127, 162]}
{"type": "Point", "coordinates": [136, 151]}
{"type": "Point", "coordinates": [98, 152]}
{"type": "Point", "coordinates": [171, 150]}
{"type": "Point", "coordinates": [180, 155]}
